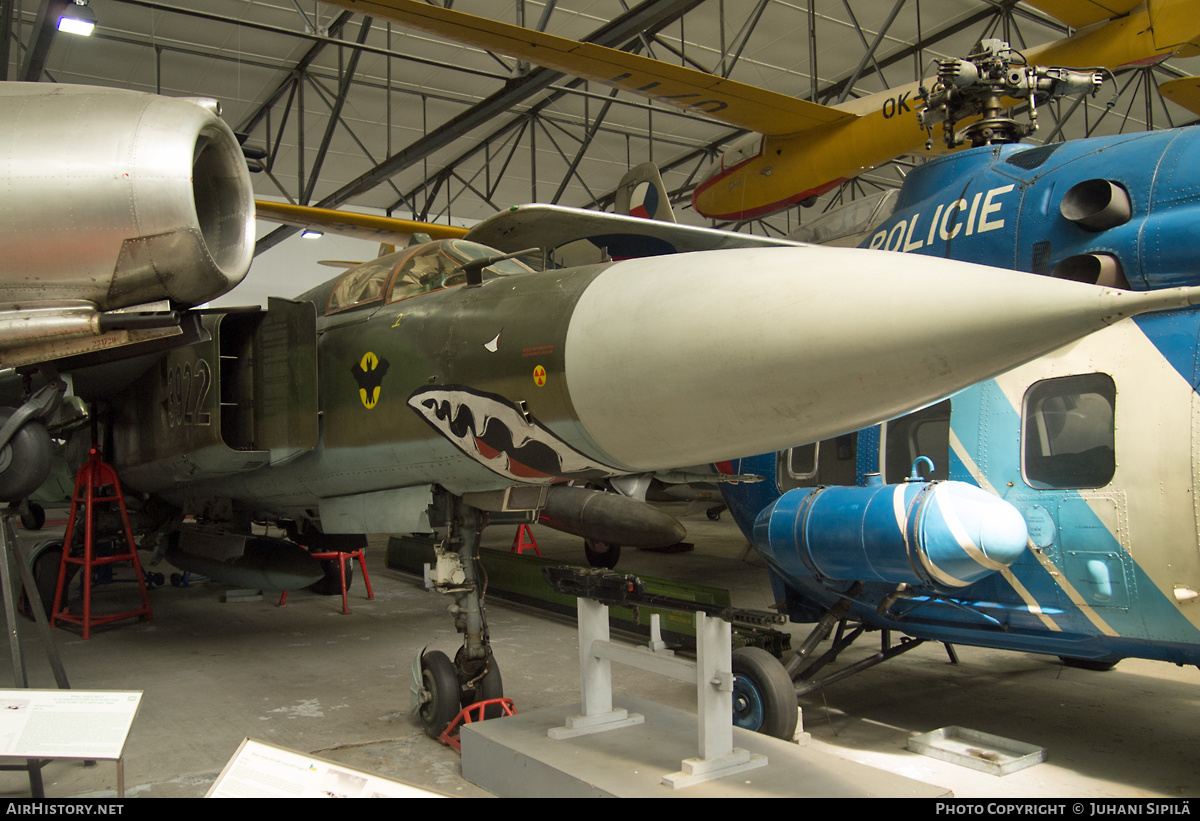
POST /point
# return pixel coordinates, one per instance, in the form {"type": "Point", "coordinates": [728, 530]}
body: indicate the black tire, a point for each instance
{"type": "Point", "coordinates": [601, 554]}
{"type": "Point", "coordinates": [764, 699]}
{"type": "Point", "coordinates": [24, 461]}
{"type": "Point", "coordinates": [1095, 665]}
{"type": "Point", "coordinates": [47, 560]}
{"type": "Point", "coordinates": [441, 682]}
{"type": "Point", "coordinates": [35, 519]}
{"type": "Point", "coordinates": [331, 585]}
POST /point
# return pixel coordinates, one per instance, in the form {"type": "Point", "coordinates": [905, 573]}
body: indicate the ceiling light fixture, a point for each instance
{"type": "Point", "coordinates": [78, 18]}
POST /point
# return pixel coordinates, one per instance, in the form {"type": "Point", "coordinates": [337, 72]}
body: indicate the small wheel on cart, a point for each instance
{"type": "Point", "coordinates": [764, 699]}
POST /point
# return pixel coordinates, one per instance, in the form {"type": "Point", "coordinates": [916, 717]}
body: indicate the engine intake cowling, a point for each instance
{"type": "Point", "coordinates": [119, 198]}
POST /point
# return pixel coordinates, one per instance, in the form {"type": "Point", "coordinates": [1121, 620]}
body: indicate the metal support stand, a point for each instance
{"type": "Point", "coordinates": [90, 483]}
{"type": "Point", "coordinates": [10, 549]}
{"type": "Point", "coordinates": [711, 672]}
{"type": "Point", "coordinates": [342, 559]}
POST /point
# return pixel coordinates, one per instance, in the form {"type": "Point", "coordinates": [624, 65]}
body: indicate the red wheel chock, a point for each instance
{"type": "Point", "coordinates": [470, 714]}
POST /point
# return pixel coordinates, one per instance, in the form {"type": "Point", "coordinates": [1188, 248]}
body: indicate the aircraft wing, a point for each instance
{"type": "Point", "coordinates": [529, 226]}
{"type": "Point", "coordinates": [387, 230]}
{"type": "Point", "coordinates": [1136, 33]}
{"type": "Point", "coordinates": [731, 102]}
{"type": "Point", "coordinates": [1080, 13]}
{"type": "Point", "coordinates": [1183, 92]}
{"type": "Point", "coordinates": [623, 237]}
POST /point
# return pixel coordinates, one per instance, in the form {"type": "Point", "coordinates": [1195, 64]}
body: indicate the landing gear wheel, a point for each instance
{"type": "Point", "coordinates": [601, 554]}
{"type": "Point", "coordinates": [440, 682]}
{"type": "Point", "coordinates": [764, 699]}
{"type": "Point", "coordinates": [35, 519]}
{"type": "Point", "coordinates": [1088, 664]}
{"type": "Point", "coordinates": [331, 585]}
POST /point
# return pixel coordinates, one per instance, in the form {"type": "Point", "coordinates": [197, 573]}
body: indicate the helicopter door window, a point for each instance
{"type": "Point", "coordinates": [924, 433]}
{"type": "Point", "coordinates": [829, 462]}
{"type": "Point", "coordinates": [797, 467]}
{"type": "Point", "coordinates": [1068, 432]}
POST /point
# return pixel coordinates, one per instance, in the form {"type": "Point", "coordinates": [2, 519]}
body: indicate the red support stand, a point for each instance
{"type": "Point", "coordinates": [95, 483]}
{"type": "Point", "coordinates": [362, 564]}
{"type": "Point", "coordinates": [524, 540]}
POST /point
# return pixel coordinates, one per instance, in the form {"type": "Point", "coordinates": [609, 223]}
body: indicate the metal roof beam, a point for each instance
{"type": "Point", "coordinates": [648, 16]}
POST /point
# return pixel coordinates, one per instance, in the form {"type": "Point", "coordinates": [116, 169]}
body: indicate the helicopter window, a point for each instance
{"type": "Point", "coordinates": [795, 467]}
{"type": "Point", "coordinates": [439, 265]}
{"type": "Point", "coordinates": [829, 462]}
{"type": "Point", "coordinates": [1068, 432]}
{"type": "Point", "coordinates": [924, 433]}
{"type": "Point", "coordinates": [361, 284]}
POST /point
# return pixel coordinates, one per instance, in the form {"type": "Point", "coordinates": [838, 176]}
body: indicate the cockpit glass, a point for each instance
{"type": "Point", "coordinates": [362, 283]}
{"type": "Point", "coordinates": [438, 265]}
{"type": "Point", "coordinates": [747, 147]}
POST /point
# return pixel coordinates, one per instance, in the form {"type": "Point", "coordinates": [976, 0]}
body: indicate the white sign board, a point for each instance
{"type": "Point", "coordinates": [261, 770]}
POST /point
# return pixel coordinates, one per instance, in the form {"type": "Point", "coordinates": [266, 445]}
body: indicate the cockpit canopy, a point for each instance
{"type": "Point", "coordinates": [417, 270]}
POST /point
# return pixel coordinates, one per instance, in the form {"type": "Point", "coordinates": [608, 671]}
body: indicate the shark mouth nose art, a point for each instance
{"type": "Point", "coordinates": [496, 433]}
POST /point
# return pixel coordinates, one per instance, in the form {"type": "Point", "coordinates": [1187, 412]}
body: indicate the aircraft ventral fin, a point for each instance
{"type": "Point", "coordinates": [728, 101]}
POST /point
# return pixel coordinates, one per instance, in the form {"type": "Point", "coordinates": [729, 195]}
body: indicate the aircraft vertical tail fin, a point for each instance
{"type": "Point", "coordinates": [641, 193]}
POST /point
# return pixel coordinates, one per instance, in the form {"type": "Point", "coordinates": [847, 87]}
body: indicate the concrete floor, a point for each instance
{"type": "Point", "coordinates": [308, 678]}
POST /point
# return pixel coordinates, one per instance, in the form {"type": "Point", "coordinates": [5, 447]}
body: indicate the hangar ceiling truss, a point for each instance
{"type": "Point", "coordinates": [341, 110]}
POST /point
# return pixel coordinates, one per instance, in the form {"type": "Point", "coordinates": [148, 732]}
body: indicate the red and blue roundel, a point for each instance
{"type": "Point", "coordinates": [643, 201]}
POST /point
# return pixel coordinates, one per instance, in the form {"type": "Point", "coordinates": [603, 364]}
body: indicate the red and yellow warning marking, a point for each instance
{"type": "Point", "coordinates": [539, 376]}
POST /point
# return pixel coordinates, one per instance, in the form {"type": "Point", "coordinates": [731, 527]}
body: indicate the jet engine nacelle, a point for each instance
{"type": "Point", "coordinates": [944, 535]}
{"type": "Point", "coordinates": [119, 198]}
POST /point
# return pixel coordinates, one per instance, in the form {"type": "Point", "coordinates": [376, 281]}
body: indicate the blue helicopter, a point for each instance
{"type": "Point", "coordinates": [1096, 446]}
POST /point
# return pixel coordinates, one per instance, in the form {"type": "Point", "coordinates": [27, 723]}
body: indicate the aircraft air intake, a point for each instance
{"type": "Point", "coordinates": [1097, 205]}
{"type": "Point", "coordinates": [120, 198]}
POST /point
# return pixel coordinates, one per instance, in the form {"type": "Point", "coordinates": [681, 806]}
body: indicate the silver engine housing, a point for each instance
{"type": "Point", "coordinates": [119, 198]}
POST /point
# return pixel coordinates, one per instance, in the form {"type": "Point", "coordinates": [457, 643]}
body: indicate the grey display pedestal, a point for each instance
{"type": "Point", "coordinates": [514, 758]}
{"type": "Point", "coordinates": [634, 748]}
